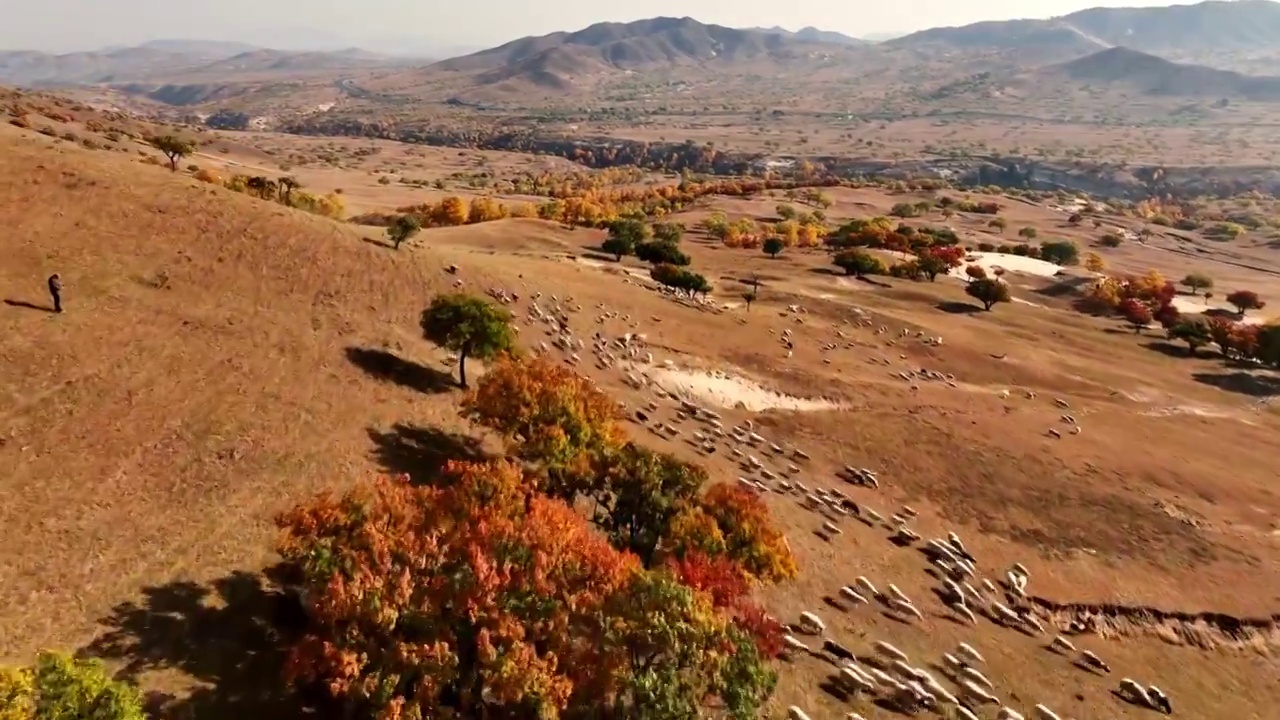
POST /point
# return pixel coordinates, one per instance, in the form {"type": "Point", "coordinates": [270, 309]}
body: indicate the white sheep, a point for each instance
{"type": "Point", "coordinates": [964, 612]}
{"type": "Point", "coordinates": [1060, 643]}
{"type": "Point", "coordinates": [975, 675]}
{"type": "Point", "coordinates": [852, 595]}
{"type": "Point", "coordinates": [965, 713]}
{"type": "Point", "coordinates": [888, 650]}
{"type": "Point", "coordinates": [794, 644]}
{"type": "Point", "coordinates": [967, 650]}
{"type": "Point", "coordinates": [975, 692]}
{"type": "Point", "coordinates": [866, 586]}
{"type": "Point", "coordinates": [1134, 691]}
{"type": "Point", "coordinates": [1160, 700]}
{"type": "Point", "coordinates": [894, 591]}
{"type": "Point", "coordinates": [795, 713]}
{"type": "Point", "coordinates": [812, 623]}
{"type": "Point", "coordinates": [905, 606]}
{"type": "Point", "coordinates": [1044, 713]}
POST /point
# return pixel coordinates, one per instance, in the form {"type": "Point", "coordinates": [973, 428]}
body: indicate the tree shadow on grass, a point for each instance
{"type": "Point", "coordinates": [230, 637]}
{"type": "Point", "coordinates": [389, 367]}
{"type": "Point", "coordinates": [959, 308]}
{"type": "Point", "coordinates": [1168, 348]}
{"type": "Point", "coordinates": [421, 452]}
{"type": "Point", "coordinates": [1244, 383]}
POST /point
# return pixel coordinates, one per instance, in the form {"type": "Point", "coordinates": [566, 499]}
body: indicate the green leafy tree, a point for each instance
{"type": "Point", "coordinates": [1028, 233]}
{"type": "Point", "coordinates": [1194, 332]}
{"type": "Point", "coordinates": [1060, 252]}
{"type": "Point", "coordinates": [174, 148]}
{"type": "Point", "coordinates": [785, 212]}
{"type": "Point", "coordinates": [1197, 282]}
{"type": "Point", "coordinates": [774, 245]}
{"type": "Point", "coordinates": [59, 687]}
{"type": "Point", "coordinates": [659, 251]}
{"type": "Point", "coordinates": [859, 263]}
{"type": "Point", "coordinates": [403, 228]}
{"type": "Point", "coordinates": [988, 291]}
{"type": "Point", "coordinates": [668, 232]}
{"type": "Point", "coordinates": [469, 326]}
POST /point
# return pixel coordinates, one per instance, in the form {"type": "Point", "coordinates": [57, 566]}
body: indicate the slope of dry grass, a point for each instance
{"type": "Point", "coordinates": [223, 358]}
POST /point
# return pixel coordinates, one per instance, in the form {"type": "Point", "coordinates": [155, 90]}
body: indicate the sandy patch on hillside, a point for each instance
{"type": "Point", "coordinates": [1011, 263]}
{"type": "Point", "coordinates": [1188, 306]}
{"type": "Point", "coordinates": [729, 391]}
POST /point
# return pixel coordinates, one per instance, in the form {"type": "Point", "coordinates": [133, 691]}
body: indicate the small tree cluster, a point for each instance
{"type": "Point", "coordinates": [681, 280]}
{"type": "Point", "coordinates": [487, 594]}
{"type": "Point", "coordinates": [58, 686]}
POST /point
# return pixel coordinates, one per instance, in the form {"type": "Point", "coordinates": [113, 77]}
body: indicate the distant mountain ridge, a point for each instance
{"type": "Point", "coordinates": [1205, 28]}
{"type": "Point", "coordinates": [1151, 75]}
{"type": "Point", "coordinates": [158, 60]}
{"type": "Point", "coordinates": [560, 60]}
{"type": "Point", "coordinates": [813, 34]}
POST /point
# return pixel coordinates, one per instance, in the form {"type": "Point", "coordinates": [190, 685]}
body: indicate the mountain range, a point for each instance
{"type": "Point", "coordinates": [1180, 50]}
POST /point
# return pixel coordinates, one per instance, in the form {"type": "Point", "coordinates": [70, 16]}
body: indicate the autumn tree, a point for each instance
{"type": "Point", "coordinates": [774, 245]}
{"type": "Point", "coordinates": [453, 602]}
{"type": "Point", "coordinates": [1245, 300]}
{"type": "Point", "coordinates": [59, 687]}
{"type": "Point", "coordinates": [731, 521]}
{"type": "Point", "coordinates": [451, 211]}
{"type": "Point", "coordinates": [174, 148]}
{"type": "Point", "coordinates": [999, 224]}
{"type": "Point", "coordinates": [975, 272]}
{"type": "Point", "coordinates": [550, 415]}
{"type": "Point", "coordinates": [1093, 262]}
{"type": "Point", "coordinates": [1136, 313]}
{"type": "Point", "coordinates": [938, 260]}
{"type": "Point", "coordinates": [402, 228]}
{"type": "Point", "coordinates": [469, 326]}
{"type": "Point", "coordinates": [988, 292]}
{"type": "Point", "coordinates": [859, 263]}
{"type": "Point", "coordinates": [677, 653]}
{"type": "Point", "coordinates": [1193, 331]}
{"type": "Point", "coordinates": [1197, 282]}
{"type": "Point", "coordinates": [785, 212]}
{"type": "Point", "coordinates": [1028, 233]}
{"type": "Point", "coordinates": [635, 493]}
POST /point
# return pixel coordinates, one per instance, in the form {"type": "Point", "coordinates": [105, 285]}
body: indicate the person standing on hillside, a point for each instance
{"type": "Point", "coordinates": [55, 291]}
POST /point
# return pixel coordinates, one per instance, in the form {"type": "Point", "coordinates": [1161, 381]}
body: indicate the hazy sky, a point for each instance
{"type": "Point", "coordinates": [66, 25]}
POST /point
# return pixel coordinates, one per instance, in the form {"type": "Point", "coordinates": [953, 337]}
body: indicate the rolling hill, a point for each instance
{"type": "Point", "coordinates": [165, 60]}
{"type": "Point", "coordinates": [560, 59]}
{"type": "Point", "coordinates": [1180, 31]}
{"type": "Point", "coordinates": [1151, 75]}
{"type": "Point", "coordinates": [813, 34]}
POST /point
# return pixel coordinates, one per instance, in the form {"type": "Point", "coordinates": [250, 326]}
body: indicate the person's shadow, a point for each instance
{"type": "Point", "coordinates": [28, 305]}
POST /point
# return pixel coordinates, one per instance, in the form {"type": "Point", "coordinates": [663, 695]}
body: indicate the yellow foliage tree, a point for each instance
{"type": "Point", "coordinates": [1093, 262]}
{"type": "Point", "coordinates": [452, 210]}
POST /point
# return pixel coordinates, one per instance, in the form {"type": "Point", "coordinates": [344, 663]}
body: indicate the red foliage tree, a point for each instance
{"type": "Point", "coordinates": [1136, 313]}
{"type": "Point", "coordinates": [1167, 315]}
{"type": "Point", "coordinates": [1245, 300]}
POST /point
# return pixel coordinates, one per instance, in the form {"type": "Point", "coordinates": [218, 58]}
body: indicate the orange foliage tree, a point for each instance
{"type": "Point", "coordinates": [431, 602]}
{"type": "Point", "coordinates": [549, 414]}
{"type": "Point", "coordinates": [482, 599]}
{"type": "Point", "coordinates": [731, 521]}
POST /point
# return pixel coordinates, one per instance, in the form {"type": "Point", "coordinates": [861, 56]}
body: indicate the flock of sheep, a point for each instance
{"type": "Point", "coordinates": [886, 672]}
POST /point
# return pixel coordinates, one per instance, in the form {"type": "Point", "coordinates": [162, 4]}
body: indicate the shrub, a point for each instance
{"type": "Point", "coordinates": [1060, 252]}
{"type": "Point", "coordinates": [859, 263]}
{"type": "Point", "coordinates": [1110, 240]}
{"type": "Point", "coordinates": [988, 292]}
{"type": "Point", "coordinates": [59, 687]}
